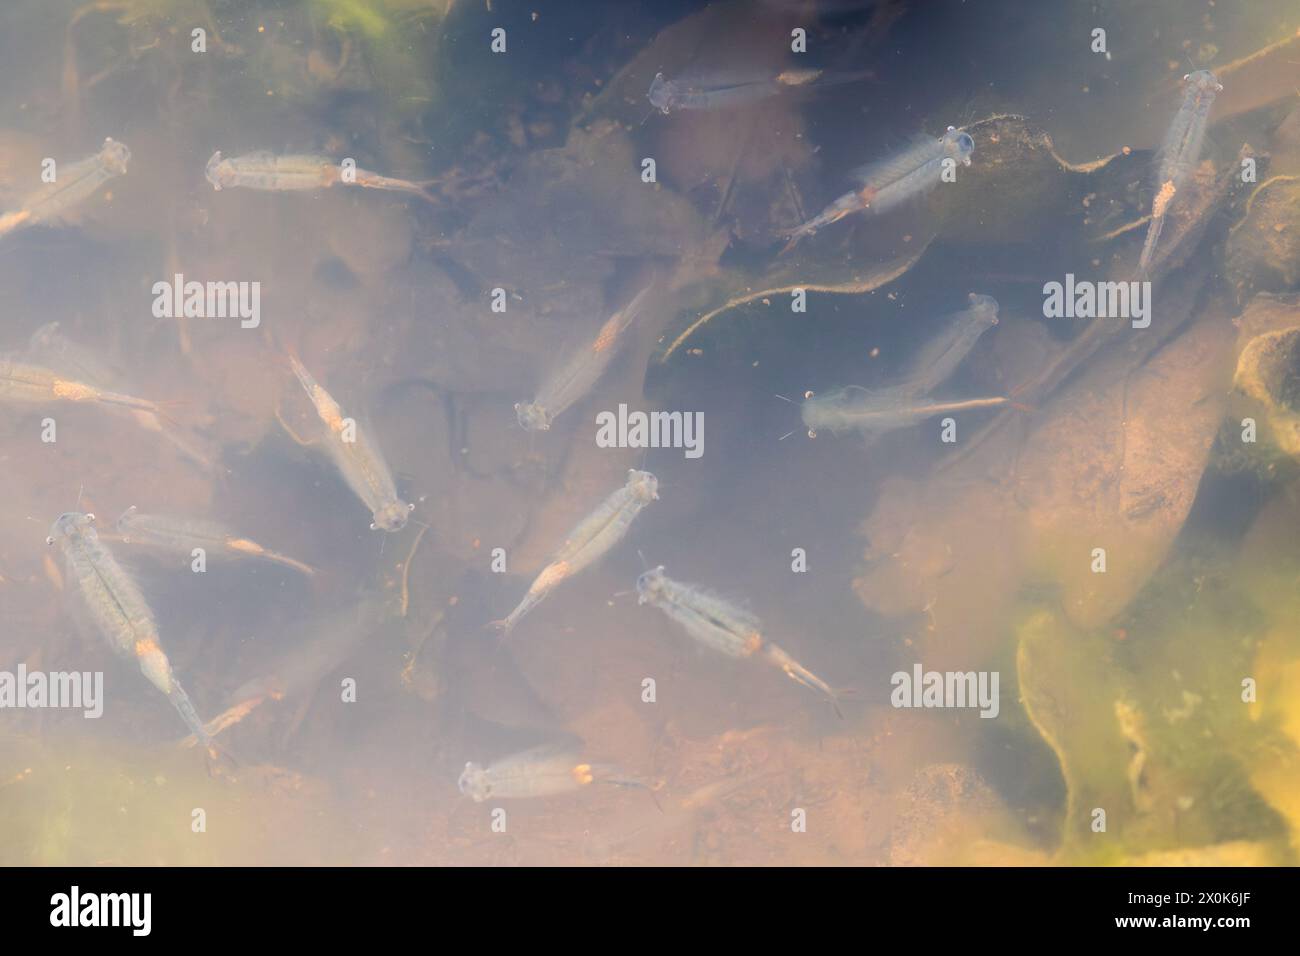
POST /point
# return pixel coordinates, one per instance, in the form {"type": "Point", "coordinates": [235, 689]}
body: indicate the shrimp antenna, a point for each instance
{"type": "Point", "coordinates": [792, 402]}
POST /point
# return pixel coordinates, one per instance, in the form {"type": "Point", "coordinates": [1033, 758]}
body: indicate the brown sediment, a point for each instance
{"type": "Point", "coordinates": [1045, 141]}
{"type": "Point", "coordinates": [1250, 200]}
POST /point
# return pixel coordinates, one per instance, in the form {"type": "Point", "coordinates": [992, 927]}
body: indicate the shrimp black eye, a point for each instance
{"type": "Point", "coordinates": [50, 539]}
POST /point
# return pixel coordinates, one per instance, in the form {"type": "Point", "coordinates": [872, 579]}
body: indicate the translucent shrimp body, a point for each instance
{"type": "Point", "coordinates": [182, 535]}
{"type": "Point", "coordinates": [722, 626]}
{"type": "Point", "coordinates": [716, 91]}
{"type": "Point", "coordinates": [268, 172]}
{"type": "Point", "coordinates": [357, 458]}
{"type": "Point", "coordinates": [540, 772]}
{"type": "Point", "coordinates": [73, 185]}
{"type": "Point", "coordinates": [50, 347]}
{"type": "Point", "coordinates": [25, 383]}
{"type": "Point", "coordinates": [61, 357]}
{"type": "Point", "coordinates": [1180, 152]}
{"type": "Point", "coordinates": [311, 651]}
{"type": "Point", "coordinates": [265, 171]}
{"type": "Point", "coordinates": [587, 543]}
{"type": "Point", "coordinates": [891, 182]}
{"type": "Point", "coordinates": [119, 609]}
{"type": "Point", "coordinates": [938, 359]}
{"type": "Point", "coordinates": [580, 371]}
{"type": "Point", "coordinates": [882, 410]}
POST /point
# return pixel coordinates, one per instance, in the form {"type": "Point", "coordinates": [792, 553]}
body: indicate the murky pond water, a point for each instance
{"type": "Point", "coordinates": [383, 322]}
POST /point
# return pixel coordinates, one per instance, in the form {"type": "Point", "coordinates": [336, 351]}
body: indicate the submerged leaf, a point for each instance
{"type": "Point", "coordinates": [1069, 688]}
{"type": "Point", "coordinates": [1268, 369]}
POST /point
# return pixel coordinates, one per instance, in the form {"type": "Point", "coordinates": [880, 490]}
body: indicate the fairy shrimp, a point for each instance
{"type": "Point", "coordinates": [889, 183]}
{"type": "Point", "coordinates": [540, 772]}
{"type": "Point", "coordinates": [1180, 152]}
{"type": "Point", "coordinates": [721, 626]}
{"type": "Point", "coordinates": [26, 383]}
{"type": "Point", "coordinates": [877, 411]}
{"type": "Point", "coordinates": [73, 185]}
{"type": "Point", "coordinates": [356, 456]}
{"type": "Point", "coordinates": [725, 90]}
{"type": "Point", "coordinates": [939, 358]}
{"type": "Point", "coordinates": [182, 535]}
{"type": "Point", "coordinates": [589, 541]}
{"type": "Point", "coordinates": [265, 171]}
{"type": "Point", "coordinates": [576, 376]}
{"type": "Point", "coordinates": [119, 610]}
{"type": "Point", "coordinates": [51, 349]}
{"type": "Point", "coordinates": [311, 651]}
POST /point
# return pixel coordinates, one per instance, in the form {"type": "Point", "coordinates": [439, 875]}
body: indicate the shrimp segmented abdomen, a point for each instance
{"type": "Point", "coordinates": [355, 454]}
{"type": "Point", "coordinates": [721, 625]}
{"type": "Point", "coordinates": [590, 540]}
{"type": "Point", "coordinates": [888, 183]}
{"type": "Point", "coordinates": [119, 609]}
